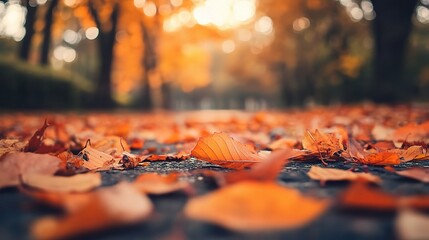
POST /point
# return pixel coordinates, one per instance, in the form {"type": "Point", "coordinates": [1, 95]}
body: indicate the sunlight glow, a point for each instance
{"type": "Point", "coordinates": [300, 24]}
{"type": "Point", "coordinates": [65, 54]}
{"type": "Point", "coordinates": [71, 37]}
{"type": "Point", "coordinates": [12, 21]}
{"type": "Point", "coordinates": [264, 25]}
{"type": "Point", "coordinates": [228, 46]}
{"type": "Point", "coordinates": [224, 14]}
{"type": "Point", "coordinates": [422, 14]}
{"type": "Point", "coordinates": [70, 3]}
{"type": "Point", "coordinates": [149, 9]}
{"type": "Point", "coordinates": [91, 33]}
{"type": "Point", "coordinates": [139, 3]}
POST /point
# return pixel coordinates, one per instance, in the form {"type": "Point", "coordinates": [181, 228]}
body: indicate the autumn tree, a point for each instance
{"type": "Point", "coordinates": [106, 42]}
{"type": "Point", "coordinates": [47, 32]}
{"type": "Point", "coordinates": [31, 8]}
{"type": "Point", "coordinates": [392, 27]}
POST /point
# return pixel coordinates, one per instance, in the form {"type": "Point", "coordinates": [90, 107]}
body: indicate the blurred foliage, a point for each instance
{"type": "Point", "coordinates": [26, 86]}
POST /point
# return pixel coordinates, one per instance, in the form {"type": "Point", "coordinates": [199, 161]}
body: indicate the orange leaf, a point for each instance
{"type": "Point", "coordinates": [153, 183]}
{"type": "Point", "coordinates": [108, 207]}
{"type": "Point", "coordinates": [323, 143]}
{"type": "Point", "coordinates": [13, 165]}
{"type": "Point", "coordinates": [413, 152]}
{"type": "Point", "coordinates": [111, 145]}
{"type": "Point", "coordinates": [333, 174]}
{"type": "Point", "coordinates": [255, 206]}
{"type": "Point", "coordinates": [381, 158]}
{"type": "Point", "coordinates": [266, 170]}
{"type": "Point", "coordinates": [420, 174]}
{"type": "Point", "coordinates": [76, 183]}
{"type": "Point", "coordinates": [222, 150]}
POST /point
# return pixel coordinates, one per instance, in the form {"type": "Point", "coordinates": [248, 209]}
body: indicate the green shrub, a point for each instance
{"type": "Point", "coordinates": [26, 86]}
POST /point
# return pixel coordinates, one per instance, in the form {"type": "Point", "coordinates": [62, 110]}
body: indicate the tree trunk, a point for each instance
{"type": "Point", "coordinates": [392, 27]}
{"type": "Point", "coordinates": [24, 51]}
{"type": "Point", "coordinates": [106, 44]}
{"type": "Point", "coordinates": [47, 32]}
{"type": "Point", "coordinates": [149, 64]}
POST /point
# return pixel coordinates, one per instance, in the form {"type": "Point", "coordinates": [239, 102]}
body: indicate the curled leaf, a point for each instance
{"type": "Point", "coordinates": [76, 183]}
{"type": "Point", "coordinates": [222, 150]}
{"type": "Point", "coordinates": [36, 140]}
{"type": "Point", "coordinates": [323, 143]}
{"type": "Point", "coordinates": [94, 159]}
{"type": "Point", "coordinates": [255, 206]}
{"type": "Point", "coordinates": [333, 174]}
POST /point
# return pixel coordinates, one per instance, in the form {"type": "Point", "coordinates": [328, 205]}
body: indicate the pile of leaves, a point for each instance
{"type": "Point", "coordinates": [56, 159]}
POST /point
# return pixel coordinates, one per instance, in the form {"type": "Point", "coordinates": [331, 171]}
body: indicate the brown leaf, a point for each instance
{"type": "Point", "coordinates": [323, 143]}
{"type": "Point", "coordinates": [420, 174]}
{"type": "Point", "coordinates": [255, 206]}
{"type": "Point", "coordinates": [36, 140]}
{"type": "Point", "coordinates": [94, 159]}
{"type": "Point", "coordinates": [222, 150]}
{"type": "Point", "coordinates": [111, 145]}
{"type": "Point", "coordinates": [13, 165]}
{"type": "Point", "coordinates": [11, 145]}
{"type": "Point", "coordinates": [76, 183]}
{"type": "Point", "coordinates": [333, 174]}
{"type": "Point", "coordinates": [412, 153]}
{"type": "Point", "coordinates": [153, 183]}
{"type": "Point", "coordinates": [109, 207]}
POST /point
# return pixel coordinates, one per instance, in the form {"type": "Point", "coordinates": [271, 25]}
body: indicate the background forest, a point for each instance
{"type": "Point", "coordinates": [211, 54]}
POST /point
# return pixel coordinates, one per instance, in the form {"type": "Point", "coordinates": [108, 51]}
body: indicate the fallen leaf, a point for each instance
{"type": "Point", "coordinates": [411, 225]}
{"type": "Point", "coordinates": [361, 196]}
{"type": "Point", "coordinates": [36, 140]}
{"type": "Point", "coordinates": [420, 174]}
{"type": "Point", "coordinates": [412, 153]}
{"type": "Point", "coordinates": [94, 159]}
{"type": "Point", "coordinates": [153, 183]}
{"type": "Point", "coordinates": [333, 174]}
{"type": "Point", "coordinates": [109, 207]}
{"type": "Point", "coordinates": [255, 206]}
{"type": "Point", "coordinates": [267, 170]}
{"type": "Point", "coordinates": [76, 183]}
{"type": "Point", "coordinates": [282, 143]}
{"type": "Point", "coordinates": [381, 158]}
{"type": "Point", "coordinates": [11, 145]}
{"type": "Point", "coordinates": [111, 145]}
{"type": "Point", "coordinates": [222, 150]}
{"type": "Point", "coordinates": [129, 160]}
{"type": "Point", "coordinates": [323, 143]}
{"type": "Point", "coordinates": [13, 165]}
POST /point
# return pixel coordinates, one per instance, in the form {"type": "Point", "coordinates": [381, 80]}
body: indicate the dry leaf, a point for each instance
{"type": "Point", "coordinates": [266, 170]}
{"type": "Point", "coordinates": [361, 196]}
{"type": "Point", "coordinates": [111, 145]}
{"type": "Point", "coordinates": [36, 140]}
{"type": "Point", "coordinates": [12, 165]}
{"type": "Point", "coordinates": [381, 158]}
{"type": "Point", "coordinates": [109, 207]}
{"type": "Point", "coordinates": [129, 160]}
{"type": "Point", "coordinates": [11, 145]}
{"type": "Point", "coordinates": [412, 153]}
{"type": "Point", "coordinates": [333, 174]}
{"type": "Point", "coordinates": [323, 143]}
{"type": "Point", "coordinates": [420, 174]}
{"type": "Point", "coordinates": [76, 183]}
{"type": "Point", "coordinates": [222, 150]}
{"type": "Point", "coordinates": [94, 159]}
{"type": "Point", "coordinates": [153, 183]}
{"type": "Point", "coordinates": [282, 143]}
{"type": "Point", "coordinates": [255, 206]}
